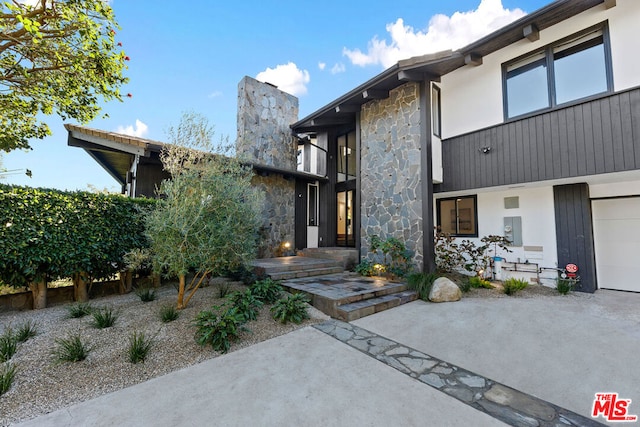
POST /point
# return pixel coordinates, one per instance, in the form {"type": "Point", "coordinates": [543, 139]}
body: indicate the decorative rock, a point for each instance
{"type": "Point", "coordinates": [444, 290]}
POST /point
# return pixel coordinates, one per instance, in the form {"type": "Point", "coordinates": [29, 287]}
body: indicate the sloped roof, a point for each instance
{"type": "Point", "coordinates": [432, 66]}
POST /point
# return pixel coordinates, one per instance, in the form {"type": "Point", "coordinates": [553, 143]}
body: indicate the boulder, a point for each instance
{"type": "Point", "coordinates": [444, 290]}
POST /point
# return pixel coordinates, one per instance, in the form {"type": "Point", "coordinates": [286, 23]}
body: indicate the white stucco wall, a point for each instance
{"type": "Point", "coordinates": [467, 107]}
{"type": "Point", "coordinates": [538, 225]}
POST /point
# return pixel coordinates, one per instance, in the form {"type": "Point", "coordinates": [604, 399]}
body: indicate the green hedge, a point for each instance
{"type": "Point", "coordinates": [53, 234]}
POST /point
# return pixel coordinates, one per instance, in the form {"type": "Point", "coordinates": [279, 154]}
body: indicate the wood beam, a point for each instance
{"type": "Point", "coordinates": [331, 121]}
{"type": "Point", "coordinates": [410, 76]}
{"type": "Point", "coordinates": [608, 4]}
{"type": "Point", "coordinates": [473, 59]}
{"type": "Point", "coordinates": [375, 94]}
{"type": "Point", "coordinates": [348, 108]}
{"type": "Point", "coordinates": [531, 32]}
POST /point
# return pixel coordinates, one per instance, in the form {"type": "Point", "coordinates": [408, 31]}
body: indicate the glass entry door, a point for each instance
{"type": "Point", "coordinates": [345, 236]}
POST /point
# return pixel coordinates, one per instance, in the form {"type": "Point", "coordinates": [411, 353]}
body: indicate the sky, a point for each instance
{"type": "Point", "coordinates": [190, 56]}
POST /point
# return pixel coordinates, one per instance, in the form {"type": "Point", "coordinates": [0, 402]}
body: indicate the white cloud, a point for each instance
{"type": "Point", "coordinates": [215, 94]}
{"type": "Point", "coordinates": [338, 68]}
{"type": "Point", "coordinates": [322, 65]}
{"type": "Point", "coordinates": [140, 129]}
{"type": "Point", "coordinates": [443, 32]}
{"type": "Point", "coordinates": [287, 77]}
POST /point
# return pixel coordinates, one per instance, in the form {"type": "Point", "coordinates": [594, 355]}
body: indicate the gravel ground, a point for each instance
{"type": "Point", "coordinates": [42, 385]}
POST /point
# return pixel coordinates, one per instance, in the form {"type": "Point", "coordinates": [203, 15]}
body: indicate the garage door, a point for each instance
{"type": "Point", "coordinates": [616, 234]}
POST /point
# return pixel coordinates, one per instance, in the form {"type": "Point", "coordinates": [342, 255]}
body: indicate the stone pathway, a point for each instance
{"type": "Point", "coordinates": [504, 403]}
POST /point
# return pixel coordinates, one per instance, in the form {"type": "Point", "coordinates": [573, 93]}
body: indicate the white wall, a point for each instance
{"type": "Point", "coordinates": [625, 188]}
{"type": "Point", "coordinates": [538, 224]}
{"type": "Point", "coordinates": [468, 107]}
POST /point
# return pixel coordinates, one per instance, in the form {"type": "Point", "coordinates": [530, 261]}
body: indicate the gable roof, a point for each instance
{"type": "Point", "coordinates": [432, 66]}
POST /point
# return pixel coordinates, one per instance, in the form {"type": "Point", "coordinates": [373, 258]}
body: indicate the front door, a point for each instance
{"type": "Point", "coordinates": [345, 218]}
{"type": "Point", "coordinates": [312, 215]}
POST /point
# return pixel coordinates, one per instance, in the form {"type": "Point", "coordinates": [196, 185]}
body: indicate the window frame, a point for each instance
{"type": "Point", "coordinates": [473, 197]}
{"type": "Point", "coordinates": [548, 60]}
{"type": "Point", "coordinates": [436, 110]}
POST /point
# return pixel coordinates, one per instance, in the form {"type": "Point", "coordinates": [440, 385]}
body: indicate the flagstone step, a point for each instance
{"type": "Point", "coordinates": [366, 307]}
{"type": "Point", "coordinates": [291, 267]}
{"type": "Point", "coordinates": [285, 275]}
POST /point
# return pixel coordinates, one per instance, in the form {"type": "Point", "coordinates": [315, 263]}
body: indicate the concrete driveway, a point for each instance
{"type": "Point", "coordinates": [560, 349]}
{"type": "Point", "coordinates": [563, 349]}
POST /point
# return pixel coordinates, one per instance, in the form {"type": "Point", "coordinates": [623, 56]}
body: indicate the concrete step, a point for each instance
{"type": "Point", "coordinates": [294, 274]}
{"type": "Point", "coordinates": [365, 307]}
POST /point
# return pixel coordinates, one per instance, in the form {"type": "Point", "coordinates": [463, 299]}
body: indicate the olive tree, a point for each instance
{"type": "Point", "coordinates": [208, 217]}
{"type": "Point", "coordinates": [56, 56]}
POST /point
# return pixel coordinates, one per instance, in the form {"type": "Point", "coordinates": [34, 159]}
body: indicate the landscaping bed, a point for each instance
{"type": "Point", "coordinates": [42, 385]}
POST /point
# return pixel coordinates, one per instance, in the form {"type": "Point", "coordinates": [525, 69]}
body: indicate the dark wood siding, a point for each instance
{"type": "Point", "coordinates": [594, 137]}
{"type": "Point", "coordinates": [149, 176]}
{"type": "Point", "coordinates": [301, 214]}
{"type": "Point", "coordinates": [574, 233]}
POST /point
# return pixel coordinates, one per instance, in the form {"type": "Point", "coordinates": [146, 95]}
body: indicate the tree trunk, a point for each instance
{"type": "Point", "coordinates": [181, 292]}
{"type": "Point", "coordinates": [156, 279]}
{"type": "Point", "coordinates": [126, 281]}
{"type": "Point", "coordinates": [80, 293]}
{"type": "Point", "coordinates": [39, 292]}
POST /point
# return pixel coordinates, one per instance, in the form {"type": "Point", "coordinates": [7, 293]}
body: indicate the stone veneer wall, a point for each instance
{"type": "Point", "coordinates": [391, 204]}
{"type": "Point", "coordinates": [265, 138]}
{"type": "Point", "coordinates": [278, 213]}
{"type": "Point", "coordinates": [264, 116]}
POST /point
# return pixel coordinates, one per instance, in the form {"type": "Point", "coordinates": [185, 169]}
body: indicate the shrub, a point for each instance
{"type": "Point", "coordinates": [246, 275]}
{"type": "Point", "coordinates": [168, 313]}
{"type": "Point", "coordinates": [70, 349]}
{"type": "Point", "coordinates": [365, 268]}
{"type": "Point", "coordinates": [217, 331]}
{"type": "Point", "coordinates": [464, 286]}
{"type": "Point", "coordinates": [565, 285]}
{"type": "Point", "coordinates": [79, 309]}
{"type": "Point", "coordinates": [26, 330]}
{"type": "Point", "coordinates": [146, 294]}
{"type": "Point", "coordinates": [8, 345]}
{"type": "Point", "coordinates": [478, 282]}
{"type": "Point", "coordinates": [267, 290]}
{"type": "Point", "coordinates": [513, 285]}
{"type": "Point", "coordinates": [397, 259]}
{"type": "Point", "coordinates": [245, 304]}
{"type": "Point", "coordinates": [291, 309]}
{"type": "Point", "coordinates": [139, 346]}
{"type": "Point", "coordinates": [223, 289]}
{"type": "Point", "coordinates": [7, 373]}
{"type": "Point", "coordinates": [104, 318]}
{"type": "Point", "coordinates": [421, 283]}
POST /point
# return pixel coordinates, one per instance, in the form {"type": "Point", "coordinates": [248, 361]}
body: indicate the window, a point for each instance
{"type": "Point", "coordinates": [435, 110]}
{"type": "Point", "coordinates": [575, 68]}
{"type": "Point", "coordinates": [347, 157]}
{"type": "Point", "coordinates": [458, 216]}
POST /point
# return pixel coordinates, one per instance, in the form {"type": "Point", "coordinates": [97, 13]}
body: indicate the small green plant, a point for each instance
{"type": "Point", "coordinates": [168, 313]}
{"type": "Point", "coordinates": [139, 346]}
{"type": "Point", "coordinates": [8, 345]}
{"type": "Point", "coordinates": [246, 275]}
{"type": "Point", "coordinates": [26, 330]}
{"type": "Point", "coordinates": [223, 289]}
{"type": "Point", "coordinates": [291, 309]}
{"type": "Point", "coordinates": [219, 331]}
{"type": "Point", "coordinates": [365, 268]}
{"type": "Point", "coordinates": [7, 374]}
{"type": "Point", "coordinates": [246, 304]}
{"type": "Point", "coordinates": [513, 285]}
{"type": "Point", "coordinates": [146, 294]}
{"type": "Point", "coordinates": [70, 349]}
{"type": "Point", "coordinates": [267, 290]}
{"type": "Point", "coordinates": [478, 282]}
{"type": "Point", "coordinates": [397, 259]}
{"type": "Point", "coordinates": [104, 318]}
{"type": "Point", "coordinates": [421, 283]}
{"type": "Point", "coordinates": [79, 309]}
{"type": "Point", "coordinates": [464, 286]}
{"type": "Point", "coordinates": [566, 285]}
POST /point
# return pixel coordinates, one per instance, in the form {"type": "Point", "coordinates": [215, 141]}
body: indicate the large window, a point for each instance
{"type": "Point", "coordinates": [566, 71]}
{"type": "Point", "coordinates": [458, 216]}
{"type": "Point", "coordinates": [347, 157]}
